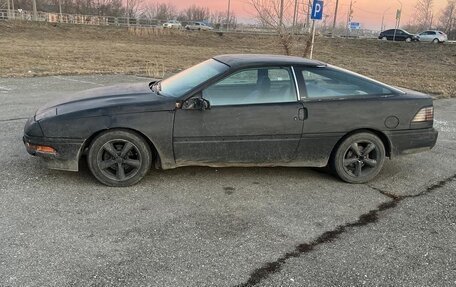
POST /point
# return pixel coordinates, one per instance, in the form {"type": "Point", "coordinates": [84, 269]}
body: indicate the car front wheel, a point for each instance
{"type": "Point", "coordinates": [119, 158]}
{"type": "Point", "coordinates": [359, 158]}
{"type": "Point", "coordinates": [384, 38]}
{"type": "Point", "coordinates": [435, 41]}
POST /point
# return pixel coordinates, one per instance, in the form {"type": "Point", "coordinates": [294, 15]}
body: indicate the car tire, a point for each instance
{"type": "Point", "coordinates": [384, 38]}
{"type": "Point", "coordinates": [408, 40]}
{"type": "Point", "coordinates": [435, 41]}
{"type": "Point", "coordinates": [359, 158]}
{"type": "Point", "coordinates": [119, 158]}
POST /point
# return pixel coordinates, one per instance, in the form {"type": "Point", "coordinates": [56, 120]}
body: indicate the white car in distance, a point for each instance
{"type": "Point", "coordinates": [198, 26]}
{"type": "Point", "coordinates": [172, 24]}
{"type": "Point", "coordinates": [433, 36]}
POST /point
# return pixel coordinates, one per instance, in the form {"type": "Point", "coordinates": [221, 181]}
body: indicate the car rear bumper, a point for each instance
{"type": "Point", "coordinates": [66, 155]}
{"type": "Point", "coordinates": [412, 141]}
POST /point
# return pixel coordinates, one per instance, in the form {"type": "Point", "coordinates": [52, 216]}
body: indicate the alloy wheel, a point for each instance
{"type": "Point", "coordinates": [119, 160]}
{"type": "Point", "coordinates": [360, 158]}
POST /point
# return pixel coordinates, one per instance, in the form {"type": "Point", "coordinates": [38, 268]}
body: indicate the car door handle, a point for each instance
{"type": "Point", "coordinates": [302, 114]}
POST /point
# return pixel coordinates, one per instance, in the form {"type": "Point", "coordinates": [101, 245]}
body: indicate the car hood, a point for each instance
{"type": "Point", "coordinates": [118, 98]}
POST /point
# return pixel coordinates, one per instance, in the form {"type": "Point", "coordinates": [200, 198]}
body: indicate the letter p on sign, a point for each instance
{"type": "Point", "coordinates": [317, 10]}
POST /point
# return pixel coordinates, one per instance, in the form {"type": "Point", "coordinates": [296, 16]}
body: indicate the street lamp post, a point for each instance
{"type": "Point", "coordinates": [398, 20]}
{"type": "Point", "coordinates": [228, 16]}
{"type": "Point", "coordinates": [35, 13]}
{"type": "Point", "coordinates": [383, 19]}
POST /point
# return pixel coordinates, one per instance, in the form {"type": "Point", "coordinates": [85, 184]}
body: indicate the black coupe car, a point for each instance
{"type": "Point", "coordinates": [235, 110]}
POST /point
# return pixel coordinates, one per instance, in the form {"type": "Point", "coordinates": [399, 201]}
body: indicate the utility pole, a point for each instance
{"type": "Point", "coordinates": [295, 13]}
{"type": "Point", "coordinates": [35, 13]}
{"type": "Point", "coordinates": [228, 16]}
{"type": "Point", "coordinates": [349, 17]}
{"type": "Point", "coordinates": [8, 12]}
{"type": "Point", "coordinates": [281, 15]}
{"type": "Point", "coordinates": [383, 19]}
{"type": "Point", "coordinates": [308, 14]}
{"type": "Point", "coordinates": [12, 9]}
{"type": "Point", "coordinates": [60, 10]}
{"type": "Point", "coordinates": [128, 15]}
{"type": "Point", "coordinates": [335, 18]}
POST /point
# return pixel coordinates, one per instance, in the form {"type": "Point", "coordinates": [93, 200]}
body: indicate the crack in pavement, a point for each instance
{"type": "Point", "coordinates": [270, 268]}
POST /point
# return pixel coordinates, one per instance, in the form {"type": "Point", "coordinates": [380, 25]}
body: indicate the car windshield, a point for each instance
{"type": "Point", "coordinates": [183, 82]}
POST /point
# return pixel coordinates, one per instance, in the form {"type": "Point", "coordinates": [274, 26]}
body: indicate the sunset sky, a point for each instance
{"type": "Point", "coordinates": [368, 12]}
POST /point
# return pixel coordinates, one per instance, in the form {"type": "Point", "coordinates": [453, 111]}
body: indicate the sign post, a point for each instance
{"type": "Point", "coordinates": [317, 14]}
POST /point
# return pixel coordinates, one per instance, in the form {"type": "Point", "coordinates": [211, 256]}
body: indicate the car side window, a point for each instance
{"type": "Point", "coordinates": [332, 83]}
{"type": "Point", "coordinates": [253, 86]}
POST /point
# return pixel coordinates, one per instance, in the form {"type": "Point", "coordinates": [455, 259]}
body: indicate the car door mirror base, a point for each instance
{"type": "Point", "coordinates": [196, 103]}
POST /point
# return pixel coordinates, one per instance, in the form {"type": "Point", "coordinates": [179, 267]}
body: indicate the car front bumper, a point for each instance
{"type": "Point", "coordinates": [412, 141]}
{"type": "Point", "coordinates": [66, 151]}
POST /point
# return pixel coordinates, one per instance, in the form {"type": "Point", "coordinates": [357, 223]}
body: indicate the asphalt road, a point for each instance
{"type": "Point", "coordinates": [221, 227]}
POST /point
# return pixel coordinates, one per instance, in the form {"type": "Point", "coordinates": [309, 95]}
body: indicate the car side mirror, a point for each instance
{"type": "Point", "coordinates": [197, 103]}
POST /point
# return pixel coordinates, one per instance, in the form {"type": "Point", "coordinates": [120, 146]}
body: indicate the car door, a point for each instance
{"type": "Point", "coordinates": [255, 118]}
{"type": "Point", "coordinates": [424, 37]}
{"type": "Point", "coordinates": [400, 36]}
{"type": "Point", "coordinates": [432, 36]}
{"type": "Point", "coordinates": [389, 34]}
{"type": "Point", "coordinates": [336, 102]}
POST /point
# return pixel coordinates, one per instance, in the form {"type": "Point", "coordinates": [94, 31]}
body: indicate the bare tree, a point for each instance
{"type": "Point", "coordinates": [218, 19]}
{"type": "Point", "coordinates": [271, 13]}
{"type": "Point", "coordinates": [424, 14]}
{"type": "Point", "coordinates": [275, 14]}
{"type": "Point", "coordinates": [159, 11]}
{"type": "Point", "coordinates": [448, 17]}
{"type": "Point", "coordinates": [194, 13]}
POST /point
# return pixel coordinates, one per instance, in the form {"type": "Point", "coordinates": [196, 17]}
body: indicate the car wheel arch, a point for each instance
{"type": "Point", "coordinates": [156, 158]}
{"type": "Point", "coordinates": [383, 137]}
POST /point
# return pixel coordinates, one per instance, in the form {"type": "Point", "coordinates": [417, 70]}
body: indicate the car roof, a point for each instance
{"type": "Point", "coordinates": [242, 60]}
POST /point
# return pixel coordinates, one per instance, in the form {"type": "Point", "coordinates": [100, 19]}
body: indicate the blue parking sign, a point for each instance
{"type": "Point", "coordinates": [317, 10]}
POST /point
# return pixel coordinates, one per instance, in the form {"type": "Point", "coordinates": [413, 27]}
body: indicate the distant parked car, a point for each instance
{"type": "Point", "coordinates": [198, 26]}
{"type": "Point", "coordinates": [433, 36]}
{"type": "Point", "coordinates": [401, 35]}
{"type": "Point", "coordinates": [172, 24]}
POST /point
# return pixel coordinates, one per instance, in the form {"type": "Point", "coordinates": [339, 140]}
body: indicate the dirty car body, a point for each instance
{"type": "Point", "coordinates": [235, 110]}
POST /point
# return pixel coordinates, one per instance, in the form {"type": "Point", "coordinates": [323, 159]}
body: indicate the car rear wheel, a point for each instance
{"type": "Point", "coordinates": [119, 158]}
{"type": "Point", "coordinates": [359, 158]}
{"type": "Point", "coordinates": [384, 38]}
{"type": "Point", "coordinates": [435, 41]}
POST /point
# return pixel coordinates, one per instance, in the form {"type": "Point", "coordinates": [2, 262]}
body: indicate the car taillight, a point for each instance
{"type": "Point", "coordinates": [424, 115]}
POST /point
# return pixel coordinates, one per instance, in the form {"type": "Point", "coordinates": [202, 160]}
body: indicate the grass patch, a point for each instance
{"type": "Point", "coordinates": [40, 49]}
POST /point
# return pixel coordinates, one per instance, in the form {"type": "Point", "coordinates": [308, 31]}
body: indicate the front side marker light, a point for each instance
{"type": "Point", "coordinates": [424, 115]}
{"type": "Point", "coordinates": [42, 149]}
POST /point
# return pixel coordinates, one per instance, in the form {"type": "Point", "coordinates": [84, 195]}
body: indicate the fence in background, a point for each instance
{"type": "Point", "coordinates": [49, 17]}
